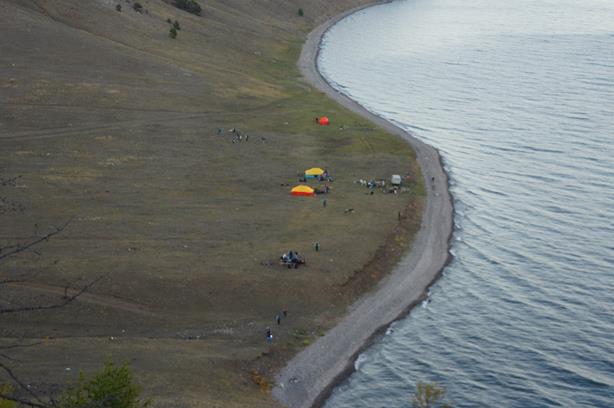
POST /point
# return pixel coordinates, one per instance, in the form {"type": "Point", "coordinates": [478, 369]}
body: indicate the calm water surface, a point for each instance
{"type": "Point", "coordinates": [519, 98]}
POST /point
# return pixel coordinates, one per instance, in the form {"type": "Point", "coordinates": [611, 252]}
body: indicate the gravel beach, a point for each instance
{"type": "Point", "coordinates": [311, 375]}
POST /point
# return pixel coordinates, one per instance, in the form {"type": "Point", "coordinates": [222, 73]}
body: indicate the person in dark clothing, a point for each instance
{"type": "Point", "coordinates": [269, 335]}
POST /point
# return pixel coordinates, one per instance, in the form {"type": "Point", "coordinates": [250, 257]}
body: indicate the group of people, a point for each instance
{"type": "Point", "coordinates": [237, 136]}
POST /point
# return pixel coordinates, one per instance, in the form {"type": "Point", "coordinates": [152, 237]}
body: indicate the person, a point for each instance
{"type": "Point", "coordinates": [269, 335]}
{"type": "Point", "coordinates": [317, 120]}
{"type": "Point", "coordinates": [316, 246]}
{"type": "Point", "coordinates": [324, 203]}
{"type": "Point", "coordinates": [278, 319]}
{"type": "Point", "coordinates": [285, 313]}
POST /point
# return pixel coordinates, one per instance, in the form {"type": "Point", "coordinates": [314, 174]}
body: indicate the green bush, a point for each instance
{"type": "Point", "coordinates": [172, 33]}
{"type": "Point", "coordinates": [113, 387]}
{"type": "Point", "coordinates": [176, 25]}
{"type": "Point", "coordinates": [300, 12]}
{"type": "Point", "coordinates": [188, 5]}
{"type": "Point", "coordinates": [6, 389]}
{"type": "Point", "coordinates": [430, 396]}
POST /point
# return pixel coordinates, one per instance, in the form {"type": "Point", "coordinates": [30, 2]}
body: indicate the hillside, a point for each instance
{"type": "Point", "coordinates": [122, 132]}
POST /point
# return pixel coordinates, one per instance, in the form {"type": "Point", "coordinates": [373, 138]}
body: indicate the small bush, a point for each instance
{"type": "Point", "coordinates": [176, 25]}
{"type": "Point", "coordinates": [172, 33]}
{"type": "Point", "coordinates": [300, 12]}
{"type": "Point", "coordinates": [168, 20]}
{"type": "Point", "coordinates": [113, 387]}
{"type": "Point", "coordinates": [6, 389]}
{"type": "Point", "coordinates": [188, 5]}
{"type": "Point", "coordinates": [137, 7]}
{"type": "Point", "coordinates": [118, 7]}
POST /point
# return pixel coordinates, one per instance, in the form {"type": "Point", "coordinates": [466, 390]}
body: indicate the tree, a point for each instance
{"type": "Point", "coordinates": [429, 396]}
{"type": "Point", "coordinates": [113, 387]}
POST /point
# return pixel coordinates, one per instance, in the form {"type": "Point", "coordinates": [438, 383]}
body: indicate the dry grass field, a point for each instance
{"type": "Point", "coordinates": [112, 126]}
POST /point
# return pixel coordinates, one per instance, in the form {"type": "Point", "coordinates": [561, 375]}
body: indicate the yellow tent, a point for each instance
{"type": "Point", "coordinates": [302, 190]}
{"type": "Point", "coordinates": [314, 172]}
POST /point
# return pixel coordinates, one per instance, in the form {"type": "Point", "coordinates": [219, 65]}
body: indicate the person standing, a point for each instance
{"type": "Point", "coordinates": [269, 335]}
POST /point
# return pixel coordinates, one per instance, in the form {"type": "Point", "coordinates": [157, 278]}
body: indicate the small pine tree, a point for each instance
{"type": "Point", "coordinates": [300, 12]}
{"type": "Point", "coordinates": [172, 33]}
{"type": "Point", "coordinates": [430, 396]}
{"type": "Point", "coordinates": [176, 25]}
{"type": "Point", "coordinates": [118, 7]}
{"type": "Point", "coordinates": [113, 387]}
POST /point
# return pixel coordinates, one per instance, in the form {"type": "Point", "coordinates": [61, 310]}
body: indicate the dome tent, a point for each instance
{"type": "Point", "coordinates": [314, 172]}
{"type": "Point", "coordinates": [324, 121]}
{"type": "Point", "coordinates": [302, 190]}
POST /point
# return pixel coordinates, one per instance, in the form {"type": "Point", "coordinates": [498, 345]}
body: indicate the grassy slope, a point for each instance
{"type": "Point", "coordinates": [113, 124]}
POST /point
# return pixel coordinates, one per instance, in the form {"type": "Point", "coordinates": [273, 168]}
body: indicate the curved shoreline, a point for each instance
{"type": "Point", "coordinates": [309, 378]}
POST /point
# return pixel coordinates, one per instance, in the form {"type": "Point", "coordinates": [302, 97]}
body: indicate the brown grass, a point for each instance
{"type": "Point", "coordinates": [114, 125]}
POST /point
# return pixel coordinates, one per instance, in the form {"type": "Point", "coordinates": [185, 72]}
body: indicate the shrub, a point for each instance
{"type": "Point", "coordinates": [300, 12]}
{"type": "Point", "coordinates": [137, 7]}
{"type": "Point", "coordinates": [113, 387]}
{"type": "Point", "coordinates": [168, 20]}
{"type": "Point", "coordinates": [176, 25]}
{"type": "Point", "coordinates": [6, 389]}
{"type": "Point", "coordinates": [172, 33]}
{"type": "Point", "coordinates": [118, 7]}
{"type": "Point", "coordinates": [188, 5]}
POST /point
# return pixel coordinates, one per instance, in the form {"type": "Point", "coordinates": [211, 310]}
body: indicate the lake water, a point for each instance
{"type": "Point", "coordinates": [519, 98]}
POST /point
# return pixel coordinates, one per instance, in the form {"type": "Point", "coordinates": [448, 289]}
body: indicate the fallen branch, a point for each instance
{"type": "Point", "coordinates": [17, 248]}
{"type": "Point", "coordinates": [65, 301]}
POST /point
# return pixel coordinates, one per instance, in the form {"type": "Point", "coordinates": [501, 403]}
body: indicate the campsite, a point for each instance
{"type": "Point", "coordinates": [174, 222]}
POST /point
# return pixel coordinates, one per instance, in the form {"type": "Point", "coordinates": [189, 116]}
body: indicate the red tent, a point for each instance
{"type": "Point", "coordinates": [303, 190]}
{"type": "Point", "coordinates": [324, 121]}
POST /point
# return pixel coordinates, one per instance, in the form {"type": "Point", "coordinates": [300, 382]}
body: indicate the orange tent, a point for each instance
{"type": "Point", "coordinates": [324, 121]}
{"type": "Point", "coordinates": [302, 190]}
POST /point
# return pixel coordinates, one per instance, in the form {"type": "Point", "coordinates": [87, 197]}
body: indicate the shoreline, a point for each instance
{"type": "Point", "coordinates": [311, 375]}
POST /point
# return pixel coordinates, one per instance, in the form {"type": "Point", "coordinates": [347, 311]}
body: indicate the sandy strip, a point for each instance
{"type": "Point", "coordinates": [311, 375]}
